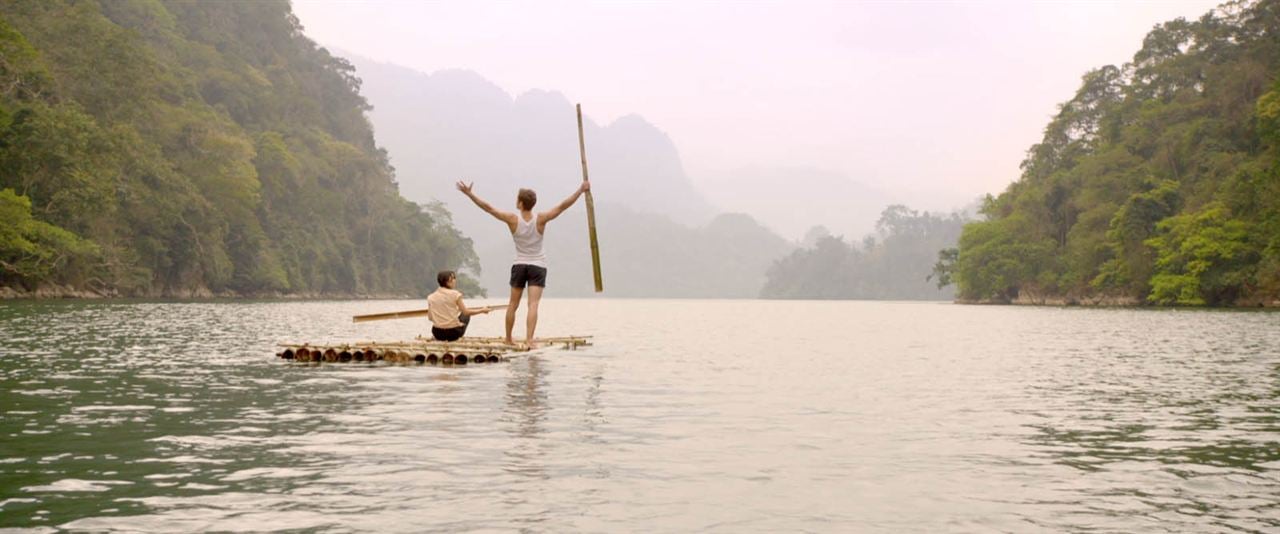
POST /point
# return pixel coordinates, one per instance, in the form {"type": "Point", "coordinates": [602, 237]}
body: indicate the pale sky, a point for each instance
{"type": "Point", "coordinates": [931, 101]}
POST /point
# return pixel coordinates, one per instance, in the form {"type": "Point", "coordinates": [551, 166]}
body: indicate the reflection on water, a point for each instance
{"type": "Point", "coordinates": [873, 417]}
{"type": "Point", "coordinates": [525, 456]}
{"type": "Point", "coordinates": [1190, 440]}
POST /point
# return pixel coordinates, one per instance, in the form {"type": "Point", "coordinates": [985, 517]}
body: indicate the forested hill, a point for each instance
{"type": "Point", "coordinates": [892, 264]}
{"type": "Point", "coordinates": [194, 148]}
{"type": "Point", "coordinates": [1159, 182]}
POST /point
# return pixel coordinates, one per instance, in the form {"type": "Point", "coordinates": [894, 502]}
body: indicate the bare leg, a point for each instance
{"type": "Point", "coordinates": [511, 311]}
{"type": "Point", "coordinates": [531, 322]}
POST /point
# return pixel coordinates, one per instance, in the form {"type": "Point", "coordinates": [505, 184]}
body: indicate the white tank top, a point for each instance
{"type": "Point", "coordinates": [528, 242]}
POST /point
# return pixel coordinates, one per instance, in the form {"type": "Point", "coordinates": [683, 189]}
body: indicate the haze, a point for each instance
{"type": "Point", "coordinates": [933, 104]}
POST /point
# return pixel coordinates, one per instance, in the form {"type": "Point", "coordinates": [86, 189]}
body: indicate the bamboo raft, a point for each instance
{"type": "Point", "coordinates": [423, 350]}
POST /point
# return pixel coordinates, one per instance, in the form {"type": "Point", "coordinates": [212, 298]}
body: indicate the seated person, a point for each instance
{"type": "Point", "coordinates": [449, 316]}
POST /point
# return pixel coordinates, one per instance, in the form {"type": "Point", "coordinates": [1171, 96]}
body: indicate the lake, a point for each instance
{"type": "Point", "coordinates": [686, 415]}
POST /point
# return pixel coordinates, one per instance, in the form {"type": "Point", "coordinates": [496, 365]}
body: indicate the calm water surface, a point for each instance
{"type": "Point", "coordinates": [732, 416]}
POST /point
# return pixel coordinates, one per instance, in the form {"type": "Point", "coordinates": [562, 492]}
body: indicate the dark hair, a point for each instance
{"type": "Point", "coordinates": [527, 198]}
{"type": "Point", "coordinates": [443, 277]}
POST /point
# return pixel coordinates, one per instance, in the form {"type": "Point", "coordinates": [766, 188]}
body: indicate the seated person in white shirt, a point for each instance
{"type": "Point", "coordinates": [449, 316]}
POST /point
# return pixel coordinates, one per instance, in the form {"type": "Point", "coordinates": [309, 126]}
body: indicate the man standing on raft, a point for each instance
{"type": "Point", "coordinates": [530, 265]}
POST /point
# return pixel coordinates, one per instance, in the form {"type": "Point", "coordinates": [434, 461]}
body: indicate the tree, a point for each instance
{"type": "Point", "coordinates": [31, 250]}
{"type": "Point", "coordinates": [1202, 258]}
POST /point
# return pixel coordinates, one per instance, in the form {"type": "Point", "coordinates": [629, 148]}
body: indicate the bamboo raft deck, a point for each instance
{"type": "Point", "coordinates": [423, 350]}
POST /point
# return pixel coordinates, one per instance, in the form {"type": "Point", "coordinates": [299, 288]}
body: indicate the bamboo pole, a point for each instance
{"type": "Point", "coordinates": [591, 210]}
{"type": "Point", "coordinates": [404, 314]}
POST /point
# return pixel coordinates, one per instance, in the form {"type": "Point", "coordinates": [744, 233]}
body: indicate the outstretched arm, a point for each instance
{"type": "Point", "coordinates": [554, 212]}
{"type": "Point", "coordinates": [462, 307]}
{"type": "Point", "coordinates": [504, 216]}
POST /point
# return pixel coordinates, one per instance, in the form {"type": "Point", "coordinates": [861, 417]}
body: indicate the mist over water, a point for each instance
{"type": "Point", "coordinates": [742, 416]}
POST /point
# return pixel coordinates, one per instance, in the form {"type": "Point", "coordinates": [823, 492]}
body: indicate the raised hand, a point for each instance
{"type": "Point", "coordinates": [465, 187]}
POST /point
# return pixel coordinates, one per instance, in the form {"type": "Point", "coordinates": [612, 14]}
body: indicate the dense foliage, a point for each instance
{"type": "Point", "coordinates": [1158, 182]}
{"type": "Point", "coordinates": [172, 148]}
{"type": "Point", "coordinates": [894, 264]}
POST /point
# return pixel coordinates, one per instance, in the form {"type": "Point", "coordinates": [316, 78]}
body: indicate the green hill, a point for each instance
{"type": "Point", "coordinates": [190, 148]}
{"type": "Point", "coordinates": [1157, 183]}
{"type": "Point", "coordinates": [892, 264]}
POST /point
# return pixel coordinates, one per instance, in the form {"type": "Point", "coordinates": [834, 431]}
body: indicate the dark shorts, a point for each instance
{"type": "Point", "coordinates": [452, 334]}
{"type": "Point", "coordinates": [523, 273]}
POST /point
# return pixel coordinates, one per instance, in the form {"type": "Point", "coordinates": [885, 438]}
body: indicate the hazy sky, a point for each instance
{"type": "Point", "coordinates": [935, 102]}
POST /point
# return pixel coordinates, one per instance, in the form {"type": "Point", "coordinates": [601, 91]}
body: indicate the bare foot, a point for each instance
{"type": "Point", "coordinates": [531, 344]}
{"type": "Point", "coordinates": [508, 341]}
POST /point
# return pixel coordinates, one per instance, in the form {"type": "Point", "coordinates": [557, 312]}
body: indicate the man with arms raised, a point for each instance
{"type": "Point", "coordinates": [530, 266]}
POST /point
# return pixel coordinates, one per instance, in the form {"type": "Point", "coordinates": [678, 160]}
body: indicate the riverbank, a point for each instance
{"type": "Point", "coordinates": [58, 292]}
{"type": "Point", "coordinates": [1097, 301]}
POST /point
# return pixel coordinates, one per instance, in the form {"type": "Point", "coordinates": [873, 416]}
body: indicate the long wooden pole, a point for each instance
{"type": "Point", "coordinates": [591, 210]}
{"type": "Point", "coordinates": [403, 314]}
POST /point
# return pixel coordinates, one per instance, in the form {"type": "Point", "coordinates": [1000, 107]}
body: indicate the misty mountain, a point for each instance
{"type": "Point", "coordinates": [454, 124]}
{"type": "Point", "coordinates": [658, 235]}
{"type": "Point", "coordinates": [829, 199]}
{"type": "Point", "coordinates": [893, 263]}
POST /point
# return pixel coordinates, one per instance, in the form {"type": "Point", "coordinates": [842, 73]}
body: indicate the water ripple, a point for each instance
{"type": "Point", "coordinates": [686, 416]}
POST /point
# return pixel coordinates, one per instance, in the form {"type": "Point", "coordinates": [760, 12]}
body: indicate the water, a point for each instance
{"type": "Point", "coordinates": [733, 416]}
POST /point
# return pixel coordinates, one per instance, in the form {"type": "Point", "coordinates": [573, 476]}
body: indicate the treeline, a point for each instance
{"type": "Point", "coordinates": [1158, 182]}
{"type": "Point", "coordinates": [190, 148]}
{"type": "Point", "coordinates": [893, 264]}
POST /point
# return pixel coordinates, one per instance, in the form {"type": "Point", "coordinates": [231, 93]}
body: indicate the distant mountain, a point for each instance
{"type": "Point", "coordinates": [454, 124]}
{"type": "Point", "coordinates": [659, 237]}
{"type": "Point", "coordinates": [829, 199]}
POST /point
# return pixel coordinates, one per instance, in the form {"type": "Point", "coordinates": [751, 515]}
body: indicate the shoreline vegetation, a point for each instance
{"type": "Point", "coordinates": [197, 148]}
{"type": "Point", "coordinates": [66, 293]}
{"type": "Point", "coordinates": [1157, 184]}
{"type": "Point", "coordinates": [58, 292]}
{"type": "Point", "coordinates": [1059, 301]}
